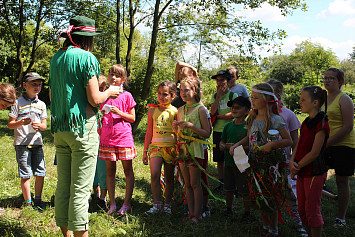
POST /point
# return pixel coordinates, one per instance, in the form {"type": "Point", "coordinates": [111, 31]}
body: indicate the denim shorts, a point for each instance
{"type": "Point", "coordinates": [30, 160]}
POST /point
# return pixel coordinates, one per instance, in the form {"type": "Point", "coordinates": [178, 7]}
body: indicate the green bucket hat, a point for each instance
{"type": "Point", "coordinates": [80, 25]}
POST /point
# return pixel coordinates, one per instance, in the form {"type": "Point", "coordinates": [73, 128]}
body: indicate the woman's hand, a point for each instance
{"type": "Point", "coordinates": [113, 92]}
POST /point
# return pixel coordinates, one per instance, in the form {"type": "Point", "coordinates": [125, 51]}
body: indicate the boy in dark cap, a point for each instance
{"type": "Point", "coordinates": [233, 132]}
{"type": "Point", "coordinates": [28, 117]}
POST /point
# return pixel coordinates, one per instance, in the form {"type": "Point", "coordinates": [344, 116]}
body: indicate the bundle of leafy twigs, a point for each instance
{"type": "Point", "coordinates": [266, 177]}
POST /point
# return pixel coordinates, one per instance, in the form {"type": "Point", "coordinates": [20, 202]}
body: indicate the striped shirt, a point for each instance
{"type": "Point", "coordinates": [35, 109]}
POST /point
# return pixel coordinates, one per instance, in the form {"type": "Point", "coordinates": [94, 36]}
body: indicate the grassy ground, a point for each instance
{"type": "Point", "coordinates": [18, 221]}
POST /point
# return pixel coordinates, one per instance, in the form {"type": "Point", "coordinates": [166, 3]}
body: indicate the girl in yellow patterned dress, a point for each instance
{"type": "Point", "coordinates": [159, 144]}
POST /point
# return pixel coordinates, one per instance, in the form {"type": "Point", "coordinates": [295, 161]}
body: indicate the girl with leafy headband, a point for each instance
{"type": "Point", "coordinates": [266, 158]}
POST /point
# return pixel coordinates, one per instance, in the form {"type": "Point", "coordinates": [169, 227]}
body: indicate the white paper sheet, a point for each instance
{"type": "Point", "coordinates": [241, 159]}
{"type": "Point", "coordinates": [117, 87]}
{"type": "Point", "coordinates": [107, 108]}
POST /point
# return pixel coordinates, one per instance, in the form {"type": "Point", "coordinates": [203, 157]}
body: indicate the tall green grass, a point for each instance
{"type": "Point", "coordinates": [16, 220]}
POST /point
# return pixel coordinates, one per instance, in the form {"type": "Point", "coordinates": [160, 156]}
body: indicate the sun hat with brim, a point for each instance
{"type": "Point", "coordinates": [223, 73]}
{"type": "Point", "coordinates": [240, 100]}
{"type": "Point", "coordinates": [31, 76]}
{"type": "Point", "coordinates": [80, 25]}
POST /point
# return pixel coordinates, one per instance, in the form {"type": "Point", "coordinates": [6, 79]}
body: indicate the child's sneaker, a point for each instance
{"type": "Point", "coordinates": [112, 209]}
{"type": "Point", "coordinates": [154, 210]}
{"type": "Point", "coordinates": [29, 204]}
{"type": "Point", "coordinates": [123, 210]}
{"type": "Point", "coordinates": [101, 204]}
{"type": "Point", "coordinates": [167, 209]}
{"type": "Point", "coordinates": [40, 206]}
{"type": "Point", "coordinates": [339, 223]}
{"type": "Point", "coordinates": [195, 219]}
{"type": "Point", "coordinates": [302, 231]}
{"type": "Point", "coordinates": [206, 213]}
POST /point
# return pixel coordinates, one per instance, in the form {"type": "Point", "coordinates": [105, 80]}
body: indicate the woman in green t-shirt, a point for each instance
{"type": "Point", "coordinates": [75, 96]}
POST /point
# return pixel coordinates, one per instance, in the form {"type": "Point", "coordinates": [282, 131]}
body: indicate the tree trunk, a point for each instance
{"type": "Point", "coordinates": [19, 48]}
{"type": "Point", "coordinates": [17, 39]}
{"type": "Point", "coordinates": [148, 75]}
{"type": "Point", "coordinates": [34, 41]}
{"type": "Point", "coordinates": [118, 39]}
{"type": "Point", "coordinates": [130, 39]}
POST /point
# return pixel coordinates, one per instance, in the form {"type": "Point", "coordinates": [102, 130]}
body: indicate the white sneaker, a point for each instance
{"type": "Point", "coordinates": [339, 223]}
{"type": "Point", "coordinates": [206, 213]}
{"type": "Point", "coordinates": [167, 209]}
{"type": "Point", "coordinates": [153, 210]}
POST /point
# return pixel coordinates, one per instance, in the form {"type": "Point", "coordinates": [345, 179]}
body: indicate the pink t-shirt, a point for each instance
{"type": "Point", "coordinates": [292, 123]}
{"type": "Point", "coordinates": [115, 130]}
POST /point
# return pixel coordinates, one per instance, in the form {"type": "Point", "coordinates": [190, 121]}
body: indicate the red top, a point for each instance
{"type": "Point", "coordinates": [309, 129]}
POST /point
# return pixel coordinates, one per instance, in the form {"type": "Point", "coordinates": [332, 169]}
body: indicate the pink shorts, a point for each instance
{"type": "Point", "coordinates": [309, 195]}
{"type": "Point", "coordinates": [114, 153]}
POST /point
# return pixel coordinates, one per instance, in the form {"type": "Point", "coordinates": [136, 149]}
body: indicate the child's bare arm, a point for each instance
{"type": "Point", "coordinates": [130, 117]}
{"type": "Point", "coordinates": [225, 116]}
{"type": "Point", "coordinates": [243, 142]}
{"type": "Point", "coordinates": [205, 130]}
{"type": "Point", "coordinates": [222, 145]}
{"type": "Point", "coordinates": [284, 142]}
{"type": "Point", "coordinates": [294, 136]}
{"type": "Point", "coordinates": [292, 164]}
{"type": "Point", "coordinates": [14, 123]}
{"type": "Point", "coordinates": [148, 136]}
{"type": "Point", "coordinates": [180, 65]}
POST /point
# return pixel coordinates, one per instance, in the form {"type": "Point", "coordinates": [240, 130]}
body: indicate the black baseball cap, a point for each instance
{"type": "Point", "coordinates": [31, 76]}
{"type": "Point", "coordinates": [240, 100]}
{"type": "Point", "coordinates": [223, 73]}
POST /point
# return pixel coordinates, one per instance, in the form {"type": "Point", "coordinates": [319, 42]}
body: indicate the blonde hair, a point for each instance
{"type": "Point", "coordinates": [270, 103]}
{"type": "Point", "coordinates": [195, 85]}
{"type": "Point", "coordinates": [7, 93]}
{"type": "Point", "coordinates": [278, 89]}
{"type": "Point", "coordinates": [121, 71]}
{"type": "Point", "coordinates": [233, 71]}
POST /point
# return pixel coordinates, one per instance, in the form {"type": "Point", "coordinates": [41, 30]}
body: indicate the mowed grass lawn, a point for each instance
{"type": "Point", "coordinates": [16, 220]}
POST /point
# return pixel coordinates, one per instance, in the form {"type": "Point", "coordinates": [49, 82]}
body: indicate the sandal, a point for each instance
{"type": "Point", "coordinates": [187, 218]}
{"type": "Point", "coordinates": [195, 219]}
{"type": "Point", "coordinates": [112, 209]}
{"type": "Point", "coordinates": [124, 209]}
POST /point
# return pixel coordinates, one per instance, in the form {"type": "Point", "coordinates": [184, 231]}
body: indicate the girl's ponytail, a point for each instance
{"type": "Point", "coordinates": [325, 97]}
